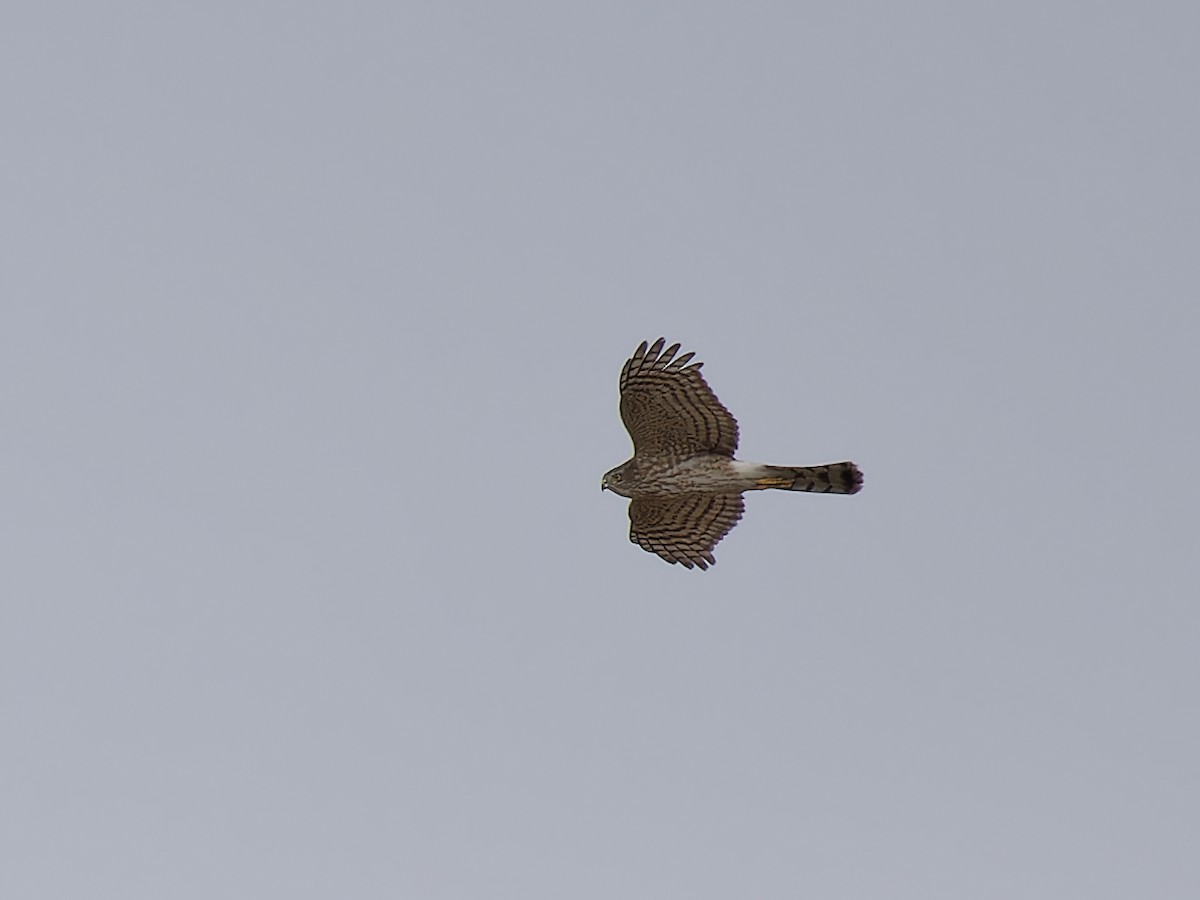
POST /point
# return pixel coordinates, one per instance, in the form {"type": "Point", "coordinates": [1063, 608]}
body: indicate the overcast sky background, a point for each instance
{"type": "Point", "coordinates": [311, 317]}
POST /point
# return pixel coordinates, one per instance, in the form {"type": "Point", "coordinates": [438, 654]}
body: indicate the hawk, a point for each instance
{"type": "Point", "coordinates": [684, 485]}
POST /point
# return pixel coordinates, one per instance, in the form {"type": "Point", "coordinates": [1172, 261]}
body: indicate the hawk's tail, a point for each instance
{"type": "Point", "coordinates": [835, 478]}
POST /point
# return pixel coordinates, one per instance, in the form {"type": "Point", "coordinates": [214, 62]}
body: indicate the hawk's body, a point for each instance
{"type": "Point", "coordinates": [684, 484]}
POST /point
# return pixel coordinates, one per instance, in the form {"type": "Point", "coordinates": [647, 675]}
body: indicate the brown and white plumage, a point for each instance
{"type": "Point", "coordinates": [684, 484]}
{"type": "Point", "coordinates": [683, 528]}
{"type": "Point", "coordinates": [668, 407]}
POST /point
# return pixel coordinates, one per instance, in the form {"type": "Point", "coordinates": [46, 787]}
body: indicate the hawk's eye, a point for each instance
{"type": "Point", "coordinates": [616, 477]}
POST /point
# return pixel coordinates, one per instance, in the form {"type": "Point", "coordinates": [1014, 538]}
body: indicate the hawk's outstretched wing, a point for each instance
{"type": "Point", "coordinates": [668, 408]}
{"type": "Point", "coordinates": [683, 528]}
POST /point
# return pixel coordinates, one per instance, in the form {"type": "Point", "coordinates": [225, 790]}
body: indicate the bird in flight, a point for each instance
{"type": "Point", "coordinates": [684, 486]}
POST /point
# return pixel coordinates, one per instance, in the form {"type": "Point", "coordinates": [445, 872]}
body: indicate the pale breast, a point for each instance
{"type": "Point", "coordinates": [705, 474]}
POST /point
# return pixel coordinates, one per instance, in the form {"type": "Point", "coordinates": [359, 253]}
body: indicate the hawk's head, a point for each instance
{"type": "Point", "coordinates": [619, 480]}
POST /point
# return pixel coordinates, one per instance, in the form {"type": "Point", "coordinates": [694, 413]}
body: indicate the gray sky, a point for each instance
{"type": "Point", "coordinates": [311, 317]}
